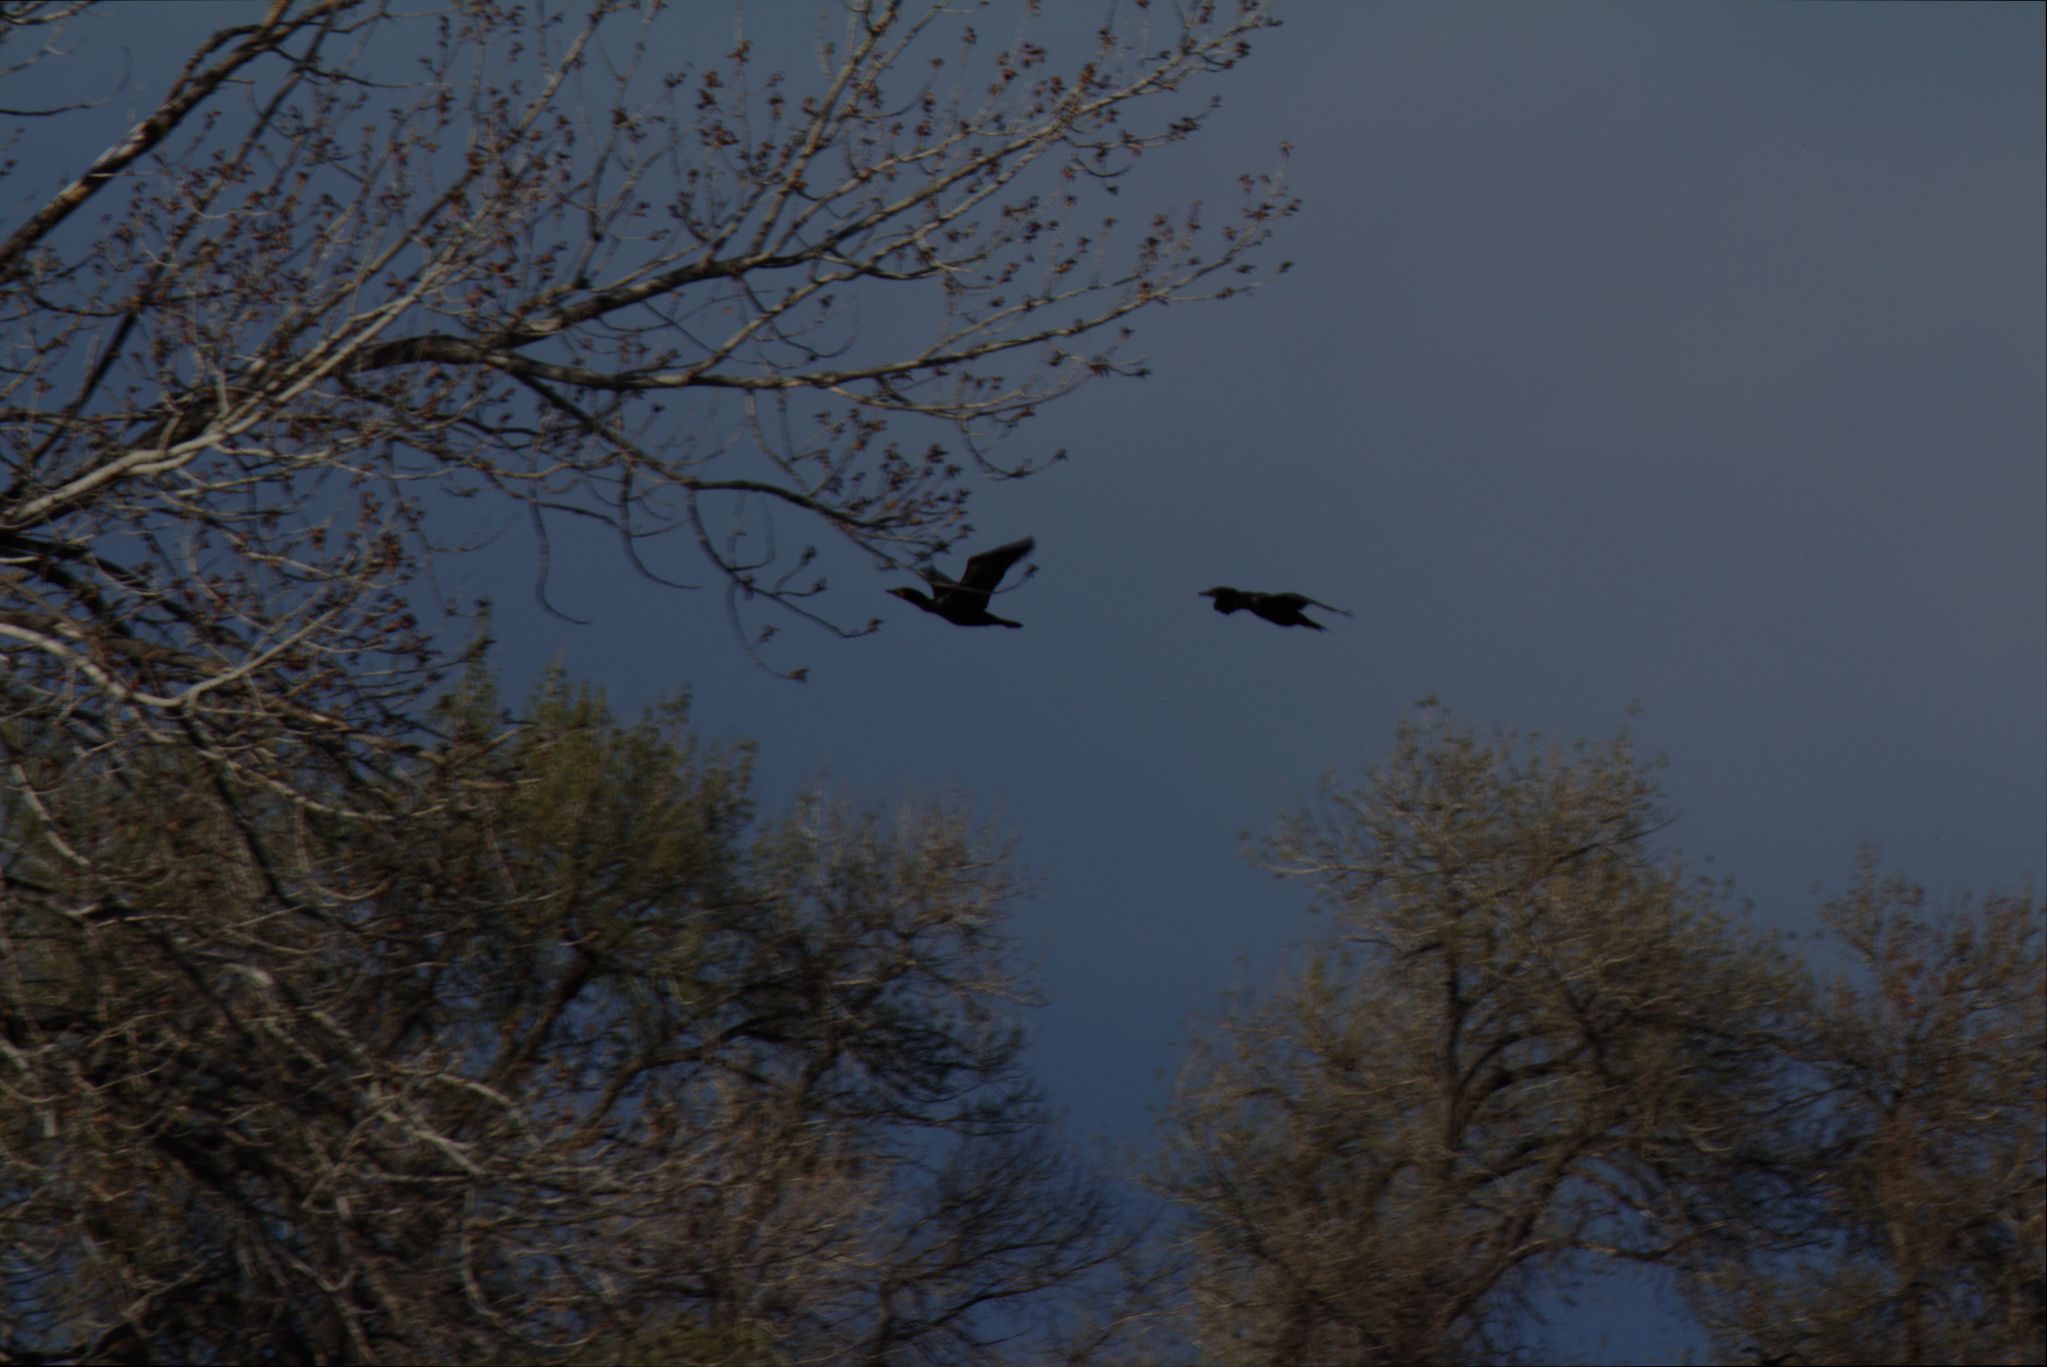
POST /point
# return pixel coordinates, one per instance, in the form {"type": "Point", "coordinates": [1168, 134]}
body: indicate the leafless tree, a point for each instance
{"type": "Point", "coordinates": [578, 1059]}
{"type": "Point", "coordinates": [1528, 1042]}
{"type": "Point", "coordinates": [1932, 1165]}
{"type": "Point", "coordinates": [365, 269]}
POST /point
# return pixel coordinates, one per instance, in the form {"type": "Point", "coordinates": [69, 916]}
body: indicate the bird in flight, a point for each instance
{"type": "Point", "coordinates": [1280, 609]}
{"type": "Point", "coordinates": [964, 601]}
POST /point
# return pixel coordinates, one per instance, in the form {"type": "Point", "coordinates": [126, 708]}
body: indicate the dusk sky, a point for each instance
{"type": "Point", "coordinates": [1688, 356]}
{"type": "Point", "coordinates": [1683, 356]}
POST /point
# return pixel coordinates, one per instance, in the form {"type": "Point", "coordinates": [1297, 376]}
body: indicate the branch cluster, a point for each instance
{"type": "Point", "coordinates": [323, 302]}
{"type": "Point", "coordinates": [1531, 1043]}
{"type": "Point", "coordinates": [578, 1057]}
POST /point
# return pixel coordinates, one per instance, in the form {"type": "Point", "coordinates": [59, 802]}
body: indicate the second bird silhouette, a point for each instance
{"type": "Point", "coordinates": [964, 601]}
{"type": "Point", "coordinates": [1280, 609]}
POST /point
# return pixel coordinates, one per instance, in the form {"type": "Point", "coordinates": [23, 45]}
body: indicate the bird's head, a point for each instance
{"type": "Point", "coordinates": [917, 596]}
{"type": "Point", "coordinates": [1226, 599]}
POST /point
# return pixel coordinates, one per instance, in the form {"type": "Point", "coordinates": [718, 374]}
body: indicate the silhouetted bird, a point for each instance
{"type": "Point", "coordinates": [1280, 609]}
{"type": "Point", "coordinates": [964, 601]}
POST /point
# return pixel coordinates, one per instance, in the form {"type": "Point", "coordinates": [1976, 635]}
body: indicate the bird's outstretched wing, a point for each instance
{"type": "Point", "coordinates": [1297, 601]}
{"type": "Point", "coordinates": [985, 571]}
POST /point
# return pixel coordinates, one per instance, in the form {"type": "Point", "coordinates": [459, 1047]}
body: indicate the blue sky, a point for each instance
{"type": "Point", "coordinates": [1683, 355]}
{"type": "Point", "coordinates": [1688, 356]}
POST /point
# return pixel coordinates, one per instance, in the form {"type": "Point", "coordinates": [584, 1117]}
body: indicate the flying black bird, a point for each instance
{"type": "Point", "coordinates": [964, 601]}
{"type": "Point", "coordinates": [1280, 609]}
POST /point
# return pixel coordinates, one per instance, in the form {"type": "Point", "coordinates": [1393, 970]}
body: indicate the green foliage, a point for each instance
{"type": "Point", "coordinates": [1530, 1039]}
{"type": "Point", "coordinates": [551, 1047]}
{"type": "Point", "coordinates": [563, 1050]}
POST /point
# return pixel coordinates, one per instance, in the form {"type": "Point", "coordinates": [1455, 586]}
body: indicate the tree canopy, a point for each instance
{"type": "Point", "coordinates": [370, 281]}
{"type": "Point", "coordinates": [1531, 1042]}
{"type": "Point", "coordinates": [575, 1052]}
